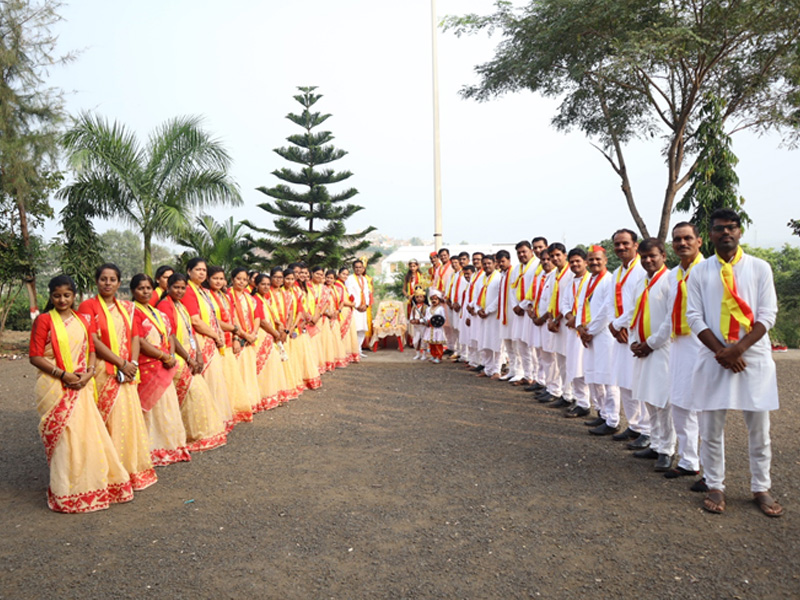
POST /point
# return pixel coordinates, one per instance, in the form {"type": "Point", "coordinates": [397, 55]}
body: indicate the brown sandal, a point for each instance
{"type": "Point", "coordinates": [714, 502]}
{"type": "Point", "coordinates": [767, 504]}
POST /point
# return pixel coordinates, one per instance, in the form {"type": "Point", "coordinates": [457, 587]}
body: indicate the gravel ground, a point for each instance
{"type": "Point", "coordinates": [403, 480]}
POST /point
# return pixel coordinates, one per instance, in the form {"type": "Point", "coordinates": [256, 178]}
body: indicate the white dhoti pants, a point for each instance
{"type": "Point", "coordinates": [490, 361]}
{"type": "Point", "coordinates": [609, 404]}
{"type": "Point", "coordinates": [635, 412]}
{"type": "Point", "coordinates": [580, 391]}
{"type": "Point", "coordinates": [662, 432]}
{"type": "Point", "coordinates": [551, 376]}
{"type": "Point", "coordinates": [687, 431]}
{"type": "Point", "coordinates": [525, 354]}
{"type": "Point", "coordinates": [712, 450]}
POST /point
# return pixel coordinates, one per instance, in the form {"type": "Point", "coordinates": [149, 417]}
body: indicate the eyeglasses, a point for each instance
{"type": "Point", "coordinates": [724, 228]}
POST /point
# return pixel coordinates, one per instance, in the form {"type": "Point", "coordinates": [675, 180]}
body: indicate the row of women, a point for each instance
{"type": "Point", "coordinates": [127, 386]}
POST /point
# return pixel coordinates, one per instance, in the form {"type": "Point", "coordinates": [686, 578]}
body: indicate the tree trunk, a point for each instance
{"type": "Point", "coordinates": [30, 281]}
{"type": "Point", "coordinates": [148, 259]}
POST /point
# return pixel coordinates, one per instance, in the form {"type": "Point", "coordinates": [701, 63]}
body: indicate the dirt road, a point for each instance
{"type": "Point", "coordinates": [401, 480]}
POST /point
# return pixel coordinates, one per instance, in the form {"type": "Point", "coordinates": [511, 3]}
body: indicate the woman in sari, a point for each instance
{"type": "Point", "coordinates": [275, 375]}
{"type": "Point", "coordinates": [248, 324]}
{"type": "Point", "coordinates": [349, 334]}
{"type": "Point", "coordinates": [205, 428]}
{"type": "Point", "coordinates": [116, 342]}
{"type": "Point", "coordinates": [340, 353]}
{"type": "Point", "coordinates": [212, 342]}
{"type": "Point", "coordinates": [301, 351]}
{"type": "Point", "coordinates": [242, 398]}
{"type": "Point", "coordinates": [282, 303]}
{"type": "Point", "coordinates": [157, 367]}
{"type": "Point", "coordinates": [323, 301]}
{"type": "Point", "coordinates": [160, 288]}
{"type": "Point", "coordinates": [86, 473]}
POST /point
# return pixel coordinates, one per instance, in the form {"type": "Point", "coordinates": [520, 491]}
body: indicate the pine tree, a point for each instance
{"type": "Point", "coordinates": [309, 225]}
{"type": "Point", "coordinates": [714, 180]}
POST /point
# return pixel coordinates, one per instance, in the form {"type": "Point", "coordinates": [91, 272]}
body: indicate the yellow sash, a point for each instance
{"type": "Point", "coordinates": [735, 312]}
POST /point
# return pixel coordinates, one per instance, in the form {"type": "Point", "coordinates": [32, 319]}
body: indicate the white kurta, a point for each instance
{"type": "Point", "coordinates": [505, 306]}
{"type": "Point", "coordinates": [682, 352]}
{"type": "Point", "coordinates": [358, 287]}
{"type": "Point", "coordinates": [623, 359]}
{"type": "Point", "coordinates": [556, 342]}
{"type": "Point", "coordinates": [574, 347]}
{"type": "Point", "coordinates": [715, 388]}
{"type": "Point", "coordinates": [490, 326]}
{"type": "Point", "coordinates": [651, 373]}
{"type": "Point", "coordinates": [523, 282]}
{"type": "Point", "coordinates": [598, 358]}
{"type": "Point", "coordinates": [546, 341]}
{"type": "Point", "coordinates": [435, 334]}
{"type": "Point", "coordinates": [475, 320]}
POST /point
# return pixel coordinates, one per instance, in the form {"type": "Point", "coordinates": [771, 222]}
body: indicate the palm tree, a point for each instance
{"type": "Point", "coordinates": [154, 189]}
{"type": "Point", "coordinates": [221, 244]}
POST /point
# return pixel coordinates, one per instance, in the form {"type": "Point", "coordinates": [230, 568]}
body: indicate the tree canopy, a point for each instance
{"type": "Point", "coordinates": [310, 224]}
{"type": "Point", "coordinates": [155, 188]}
{"type": "Point", "coordinates": [626, 69]}
{"type": "Point", "coordinates": [31, 114]}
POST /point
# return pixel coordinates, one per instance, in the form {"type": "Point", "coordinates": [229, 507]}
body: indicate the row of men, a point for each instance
{"type": "Point", "coordinates": [672, 349]}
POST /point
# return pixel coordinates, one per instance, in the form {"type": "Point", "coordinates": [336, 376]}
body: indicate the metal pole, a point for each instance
{"type": "Point", "coordinates": [437, 161]}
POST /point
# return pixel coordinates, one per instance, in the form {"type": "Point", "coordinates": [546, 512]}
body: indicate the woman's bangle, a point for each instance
{"type": "Point", "coordinates": [124, 362]}
{"type": "Point", "coordinates": [54, 371]}
{"type": "Point", "coordinates": [61, 377]}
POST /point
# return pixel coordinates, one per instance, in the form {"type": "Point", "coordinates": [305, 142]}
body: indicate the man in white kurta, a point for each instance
{"type": "Point", "coordinates": [558, 391]}
{"type": "Point", "coordinates": [473, 321]}
{"type": "Point", "coordinates": [520, 356]}
{"type": "Point", "coordinates": [596, 302]}
{"type": "Point", "coordinates": [467, 272]}
{"type": "Point", "coordinates": [451, 287]}
{"type": "Point", "coordinates": [536, 302]}
{"type": "Point", "coordinates": [574, 347]}
{"type": "Point", "coordinates": [649, 340]}
{"type": "Point", "coordinates": [504, 315]}
{"type": "Point", "coordinates": [487, 303]}
{"type": "Point", "coordinates": [683, 351]}
{"type": "Point", "coordinates": [626, 278]}
{"type": "Point", "coordinates": [358, 287]}
{"type": "Point", "coordinates": [735, 369]}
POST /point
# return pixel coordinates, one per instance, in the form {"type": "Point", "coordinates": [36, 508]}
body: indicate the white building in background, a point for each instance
{"type": "Point", "coordinates": [397, 261]}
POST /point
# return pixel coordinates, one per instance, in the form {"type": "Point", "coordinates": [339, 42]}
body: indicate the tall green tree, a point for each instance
{"type": "Point", "coordinates": [221, 244]}
{"type": "Point", "coordinates": [30, 116]}
{"type": "Point", "coordinates": [626, 69]}
{"type": "Point", "coordinates": [714, 181]}
{"type": "Point", "coordinates": [156, 187]}
{"type": "Point", "coordinates": [309, 225]}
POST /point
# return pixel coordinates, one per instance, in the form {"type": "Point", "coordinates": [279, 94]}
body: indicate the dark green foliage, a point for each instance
{"type": "Point", "coordinates": [786, 270]}
{"type": "Point", "coordinates": [154, 187]}
{"type": "Point", "coordinates": [309, 224]}
{"type": "Point", "coordinates": [30, 116]}
{"type": "Point", "coordinates": [714, 179]}
{"type": "Point", "coordinates": [221, 244]}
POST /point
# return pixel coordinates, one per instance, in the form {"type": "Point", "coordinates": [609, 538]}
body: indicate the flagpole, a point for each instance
{"type": "Point", "coordinates": [437, 161]}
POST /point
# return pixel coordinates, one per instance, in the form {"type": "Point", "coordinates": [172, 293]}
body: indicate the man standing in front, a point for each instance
{"type": "Point", "coordinates": [732, 304]}
{"type": "Point", "coordinates": [359, 288]}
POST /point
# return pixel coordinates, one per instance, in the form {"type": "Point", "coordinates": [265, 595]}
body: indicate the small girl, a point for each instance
{"type": "Point", "coordinates": [419, 321]}
{"type": "Point", "coordinates": [436, 321]}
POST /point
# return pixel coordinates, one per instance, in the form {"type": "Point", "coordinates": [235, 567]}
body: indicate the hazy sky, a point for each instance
{"type": "Point", "coordinates": [506, 174]}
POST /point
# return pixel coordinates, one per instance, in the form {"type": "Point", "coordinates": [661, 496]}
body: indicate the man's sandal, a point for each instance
{"type": "Point", "coordinates": [767, 504]}
{"type": "Point", "coordinates": [714, 502]}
